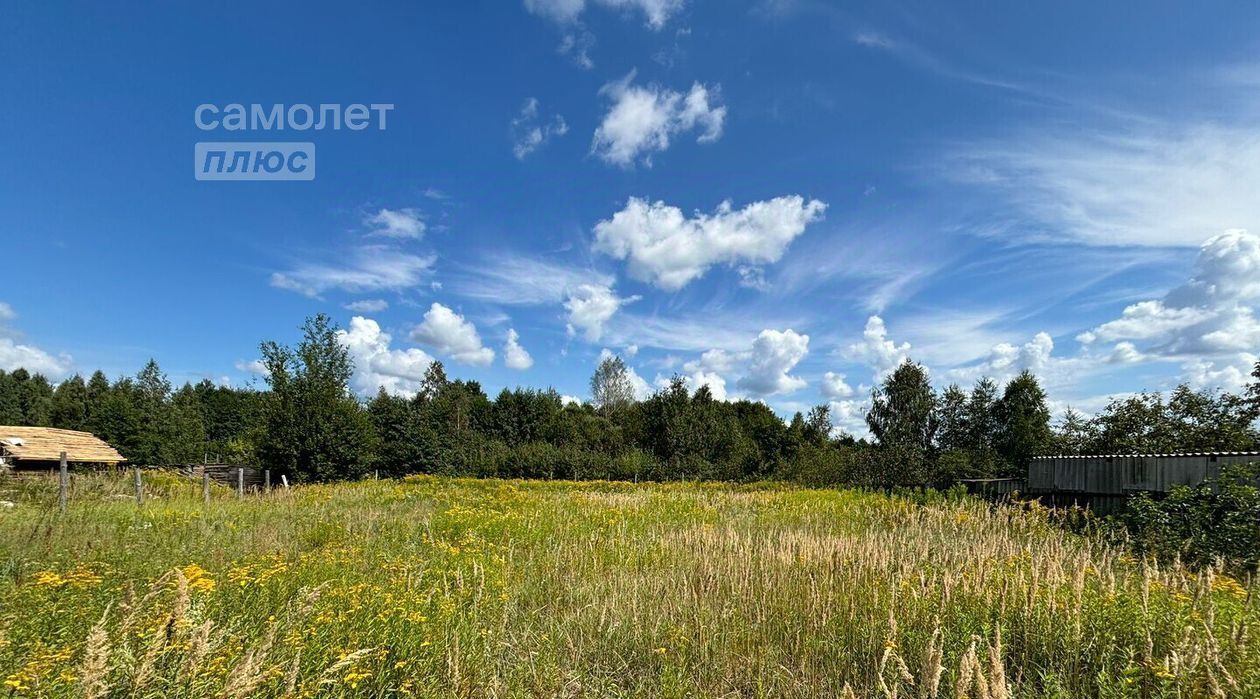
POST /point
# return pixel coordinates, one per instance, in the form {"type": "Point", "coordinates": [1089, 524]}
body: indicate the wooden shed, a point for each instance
{"type": "Point", "coordinates": [30, 448]}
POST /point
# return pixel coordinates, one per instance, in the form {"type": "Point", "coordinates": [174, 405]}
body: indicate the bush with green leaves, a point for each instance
{"type": "Point", "coordinates": [1218, 519]}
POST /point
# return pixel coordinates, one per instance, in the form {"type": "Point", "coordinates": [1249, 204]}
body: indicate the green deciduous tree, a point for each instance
{"type": "Point", "coordinates": [1023, 423]}
{"type": "Point", "coordinates": [903, 409]}
{"type": "Point", "coordinates": [611, 387]}
{"type": "Point", "coordinates": [313, 427]}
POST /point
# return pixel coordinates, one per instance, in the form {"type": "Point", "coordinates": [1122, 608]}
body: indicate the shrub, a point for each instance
{"type": "Point", "coordinates": [1218, 519]}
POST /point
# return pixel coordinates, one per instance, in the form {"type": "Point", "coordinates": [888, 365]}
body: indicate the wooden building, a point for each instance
{"type": "Point", "coordinates": [40, 448]}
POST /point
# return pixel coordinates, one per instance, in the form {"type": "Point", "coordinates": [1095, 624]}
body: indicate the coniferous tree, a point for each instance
{"type": "Point", "coordinates": [395, 424]}
{"type": "Point", "coordinates": [184, 435]}
{"type": "Point", "coordinates": [97, 392]}
{"type": "Point", "coordinates": [118, 418]}
{"type": "Point", "coordinates": [152, 395]}
{"type": "Point", "coordinates": [1074, 435]}
{"type": "Point", "coordinates": [903, 419]}
{"type": "Point", "coordinates": [982, 418]}
{"type": "Point", "coordinates": [36, 395]}
{"type": "Point", "coordinates": [10, 399]}
{"type": "Point", "coordinates": [953, 433]}
{"type": "Point", "coordinates": [70, 404]}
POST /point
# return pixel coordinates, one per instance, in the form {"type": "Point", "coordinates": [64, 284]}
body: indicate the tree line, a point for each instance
{"type": "Point", "coordinates": [309, 424]}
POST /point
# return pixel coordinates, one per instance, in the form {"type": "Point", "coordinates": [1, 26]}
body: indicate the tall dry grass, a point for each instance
{"type": "Point", "coordinates": [442, 587]}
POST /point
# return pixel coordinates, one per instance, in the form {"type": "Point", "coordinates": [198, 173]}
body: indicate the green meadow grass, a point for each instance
{"type": "Point", "coordinates": [453, 587]}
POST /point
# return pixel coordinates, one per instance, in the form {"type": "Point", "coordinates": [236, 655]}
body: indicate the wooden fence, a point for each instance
{"type": "Point", "coordinates": [241, 478]}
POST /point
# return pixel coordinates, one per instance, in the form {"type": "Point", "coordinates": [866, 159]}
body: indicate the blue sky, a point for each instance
{"type": "Point", "coordinates": [780, 199]}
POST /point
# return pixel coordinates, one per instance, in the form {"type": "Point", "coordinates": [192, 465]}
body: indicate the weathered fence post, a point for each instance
{"type": "Point", "coordinates": [267, 480]}
{"type": "Point", "coordinates": [285, 480]}
{"type": "Point", "coordinates": [139, 487]}
{"type": "Point", "coordinates": [63, 483]}
{"type": "Point", "coordinates": [205, 485]}
{"type": "Point", "coordinates": [240, 482]}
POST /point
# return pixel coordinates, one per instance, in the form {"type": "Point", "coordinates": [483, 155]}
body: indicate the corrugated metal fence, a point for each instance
{"type": "Point", "coordinates": [1105, 481]}
{"type": "Point", "coordinates": [1119, 474]}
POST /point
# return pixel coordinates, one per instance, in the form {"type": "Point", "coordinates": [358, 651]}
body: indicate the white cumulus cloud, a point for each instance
{"type": "Point", "coordinates": [590, 307]}
{"type": "Point", "coordinates": [708, 370]}
{"type": "Point", "coordinates": [668, 249]}
{"type": "Point", "coordinates": [849, 416]}
{"type": "Point", "coordinates": [642, 120]}
{"type": "Point", "coordinates": [1209, 323]}
{"type": "Point", "coordinates": [882, 354]}
{"type": "Point", "coordinates": [1005, 360]}
{"type": "Point", "coordinates": [253, 366]}
{"type": "Point", "coordinates": [714, 360]}
{"type": "Point", "coordinates": [377, 365]}
{"type": "Point", "coordinates": [15, 354]}
{"type": "Point", "coordinates": [774, 354]}
{"type": "Point", "coordinates": [834, 386]}
{"type": "Point", "coordinates": [450, 334]}
{"type": "Point", "coordinates": [514, 355]}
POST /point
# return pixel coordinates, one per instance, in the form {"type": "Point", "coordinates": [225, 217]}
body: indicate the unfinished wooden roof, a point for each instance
{"type": "Point", "coordinates": [46, 444]}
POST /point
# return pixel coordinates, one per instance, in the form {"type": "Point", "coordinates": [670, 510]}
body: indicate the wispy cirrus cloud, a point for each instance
{"type": "Point", "coordinates": [577, 41]}
{"type": "Point", "coordinates": [395, 223]}
{"type": "Point", "coordinates": [530, 131]}
{"type": "Point", "coordinates": [511, 278]}
{"type": "Point", "coordinates": [918, 57]}
{"type": "Point", "coordinates": [655, 12]}
{"type": "Point", "coordinates": [368, 268]}
{"type": "Point", "coordinates": [1135, 184]}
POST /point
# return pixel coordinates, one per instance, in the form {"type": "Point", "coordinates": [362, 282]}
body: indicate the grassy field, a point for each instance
{"type": "Point", "coordinates": [444, 587]}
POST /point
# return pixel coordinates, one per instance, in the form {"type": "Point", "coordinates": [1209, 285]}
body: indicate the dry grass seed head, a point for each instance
{"type": "Point", "coordinates": [94, 671]}
{"type": "Point", "coordinates": [248, 674]}
{"type": "Point", "coordinates": [198, 647]}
